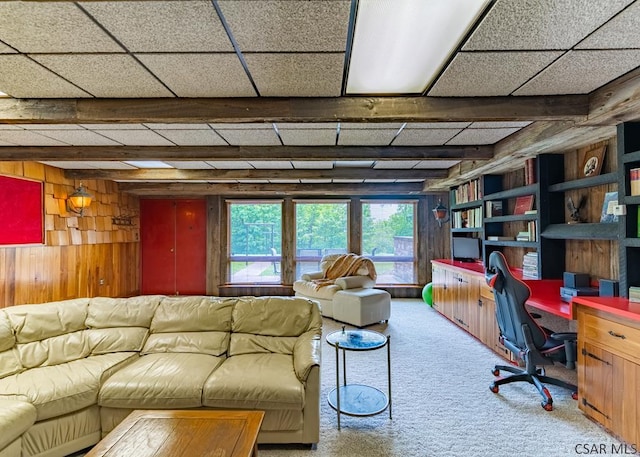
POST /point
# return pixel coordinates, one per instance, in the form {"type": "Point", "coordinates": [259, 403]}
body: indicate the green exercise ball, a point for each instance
{"type": "Point", "coordinates": [427, 294]}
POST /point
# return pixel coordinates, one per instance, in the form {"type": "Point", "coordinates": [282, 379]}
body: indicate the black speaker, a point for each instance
{"type": "Point", "coordinates": [575, 280]}
{"type": "Point", "coordinates": [609, 288]}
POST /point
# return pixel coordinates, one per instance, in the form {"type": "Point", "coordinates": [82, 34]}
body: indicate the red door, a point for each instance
{"type": "Point", "coordinates": [173, 246]}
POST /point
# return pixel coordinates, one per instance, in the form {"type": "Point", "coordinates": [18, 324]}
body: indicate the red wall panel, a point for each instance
{"type": "Point", "coordinates": [191, 255]}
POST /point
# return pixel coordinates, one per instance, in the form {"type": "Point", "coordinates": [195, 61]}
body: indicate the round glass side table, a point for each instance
{"type": "Point", "coordinates": [358, 399]}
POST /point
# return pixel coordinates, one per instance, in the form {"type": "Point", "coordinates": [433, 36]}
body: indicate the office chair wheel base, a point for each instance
{"type": "Point", "coordinates": [574, 395]}
{"type": "Point", "coordinates": [495, 372]}
{"type": "Point", "coordinates": [548, 406]}
{"type": "Point", "coordinates": [493, 388]}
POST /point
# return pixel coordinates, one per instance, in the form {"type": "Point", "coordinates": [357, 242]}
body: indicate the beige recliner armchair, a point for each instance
{"type": "Point", "coordinates": [321, 286]}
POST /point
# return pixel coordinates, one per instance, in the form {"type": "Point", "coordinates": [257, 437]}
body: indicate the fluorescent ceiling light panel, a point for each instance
{"type": "Point", "coordinates": [399, 46]}
{"type": "Point", "coordinates": [148, 164]}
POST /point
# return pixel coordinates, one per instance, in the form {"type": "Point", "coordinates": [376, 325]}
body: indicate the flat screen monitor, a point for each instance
{"type": "Point", "coordinates": [466, 249]}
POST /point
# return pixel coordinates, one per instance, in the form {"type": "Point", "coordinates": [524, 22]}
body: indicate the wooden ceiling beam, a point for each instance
{"type": "Point", "coordinates": [245, 153]}
{"type": "Point", "coordinates": [181, 175]}
{"type": "Point", "coordinates": [303, 109]}
{"type": "Point", "coordinates": [271, 190]}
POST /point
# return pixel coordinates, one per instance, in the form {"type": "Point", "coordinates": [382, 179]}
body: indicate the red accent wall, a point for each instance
{"type": "Point", "coordinates": [21, 211]}
{"type": "Point", "coordinates": [173, 246]}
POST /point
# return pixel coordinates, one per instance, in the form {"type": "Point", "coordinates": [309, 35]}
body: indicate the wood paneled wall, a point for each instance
{"type": "Point", "coordinates": [81, 256]}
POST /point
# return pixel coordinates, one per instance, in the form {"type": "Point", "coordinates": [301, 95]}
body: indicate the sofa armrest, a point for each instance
{"type": "Point", "coordinates": [312, 275]}
{"type": "Point", "coordinates": [306, 354]}
{"type": "Point", "coordinates": [355, 282]}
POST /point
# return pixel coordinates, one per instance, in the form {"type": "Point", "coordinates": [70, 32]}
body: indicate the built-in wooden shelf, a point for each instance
{"type": "Point", "coordinates": [595, 231]}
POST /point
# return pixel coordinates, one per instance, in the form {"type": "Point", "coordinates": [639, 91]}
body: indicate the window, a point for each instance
{"type": "Point", "coordinates": [255, 242]}
{"type": "Point", "coordinates": [388, 237]}
{"type": "Point", "coordinates": [321, 229]}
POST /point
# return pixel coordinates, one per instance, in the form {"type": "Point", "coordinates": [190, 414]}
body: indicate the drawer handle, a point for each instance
{"type": "Point", "coordinates": [617, 335]}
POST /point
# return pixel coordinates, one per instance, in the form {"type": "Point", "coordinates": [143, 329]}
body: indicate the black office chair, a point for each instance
{"type": "Point", "coordinates": [524, 337]}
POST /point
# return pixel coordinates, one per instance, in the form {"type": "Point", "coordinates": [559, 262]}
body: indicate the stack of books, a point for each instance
{"type": "Point", "coordinates": [530, 265]}
{"type": "Point", "coordinates": [523, 236]}
{"type": "Point", "coordinates": [634, 181]}
{"type": "Point", "coordinates": [634, 293]}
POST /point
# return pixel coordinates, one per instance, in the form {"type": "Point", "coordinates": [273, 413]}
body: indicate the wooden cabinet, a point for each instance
{"type": "Point", "coordinates": [173, 246]}
{"type": "Point", "coordinates": [609, 371]}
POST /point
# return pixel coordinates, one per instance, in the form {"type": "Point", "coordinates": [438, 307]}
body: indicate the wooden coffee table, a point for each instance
{"type": "Point", "coordinates": [188, 433]}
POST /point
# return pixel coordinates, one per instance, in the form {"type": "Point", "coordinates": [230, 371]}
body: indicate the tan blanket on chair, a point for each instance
{"type": "Point", "coordinates": [345, 265]}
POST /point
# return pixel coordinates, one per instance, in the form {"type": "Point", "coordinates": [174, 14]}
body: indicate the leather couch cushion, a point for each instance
{"type": "Point", "coordinates": [272, 316]}
{"type": "Point", "coordinates": [37, 322]}
{"type": "Point", "coordinates": [107, 312]}
{"type": "Point", "coordinates": [54, 350]}
{"type": "Point", "coordinates": [7, 339]}
{"type": "Point", "coordinates": [119, 339]}
{"type": "Point", "coordinates": [307, 289]}
{"type": "Point", "coordinates": [61, 389]}
{"type": "Point", "coordinates": [247, 343]}
{"type": "Point", "coordinates": [193, 314]}
{"type": "Point", "coordinates": [9, 363]}
{"type": "Point", "coordinates": [159, 381]}
{"type": "Point", "coordinates": [15, 418]}
{"type": "Point", "coordinates": [260, 381]}
{"type": "Point", "coordinates": [212, 343]}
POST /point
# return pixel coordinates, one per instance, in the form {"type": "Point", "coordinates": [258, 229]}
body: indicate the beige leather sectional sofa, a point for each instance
{"type": "Point", "coordinates": [72, 370]}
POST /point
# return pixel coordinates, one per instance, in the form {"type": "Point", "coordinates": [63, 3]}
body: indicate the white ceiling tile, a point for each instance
{"type": "Point", "coordinates": [200, 75]}
{"type": "Point", "coordinates": [581, 72]}
{"type": "Point", "coordinates": [10, 127]}
{"type": "Point", "coordinates": [540, 24]}
{"type": "Point", "coordinates": [495, 125]}
{"type": "Point", "coordinates": [28, 138]}
{"type": "Point", "coordinates": [347, 181]}
{"type": "Point", "coordinates": [437, 125]}
{"type": "Point", "coordinates": [436, 164]}
{"type": "Point", "coordinates": [284, 181]}
{"type": "Point", "coordinates": [484, 74]}
{"type": "Point", "coordinates": [162, 26]}
{"type": "Point", "coordinates": [78, 137]}
{"type": "Point", "coordinates": [307, 125]}
{"type": "Point", "coordinates": [297, 75]}
{"type": "Point", "coordinates": [620, 32]}
{"type": "Point", "coordinates": [110, 165]}
{"type": "Point", "coordinates": [395, 164]}
{"type": "Point", "coordinates": [156, 126]}
{"type": "Point", "coordinates": [379, 180]}
{"type": "Point", "coordinates": [247, 126]}
{"type": "Point", "coordinates": [424, 137]}
{"type": "Point", "coordinates": [253, 181]}
{"type": "Point", "coordinates": [189, 165]}
{"type": "Point", "coordinates": [312, 164]}
{"type": "Point", "coordinates": [409, 180]}
{"type": "Point", "coordinates": [371, 125]}
{"type": "Point", "coordinates": [353, 163]}
{"type": "Point", "coordinates": [481, 136]}
{"type": "Point", "coordinates": [135, 137]}
{"type": "Point", "coordinates": [105, 75]}
{"type": "Point", "coordinates": [258, 137]}
{"type": "Point", "coordinates": [148, 164]}
{"type": "Point", "coordinates": [50, 126]}
{"type": "Point", "coordinates": [315, 137]}
{"type": "Point", "coordinates": [366, 137]}
{"type": "Point", "coordinates": [229, 164]}
{"type": "Point", "coordinates": [315, 181]}
{"type": "Point", "coordinates": [52, 27]}
{"type": "Point", "coordinates": [4, 143]}
{"type": "Point", "coordinates": [271, 164]}
{"type": "Point", "coordinates": [114, 126]}
{"type": "Point", "coordinates": [288, 26]}
{"type": "Point", "coordinates": [4, 49]}
{"type": "Point", "coordinates": [81, 165]}
{"type": "Point", "coordinates": [21, 77]}
{"type": "Point", "coordinates": [193, 137]}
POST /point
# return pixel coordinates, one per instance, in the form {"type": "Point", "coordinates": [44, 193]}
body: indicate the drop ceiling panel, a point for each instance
{"type": "Point", "coordinates": [308, 125]}
{"type": "Point", "coordinates": [437, 164]}
{"type": "Point", "coordinates": [28, 138]}
{"type": "Point", "coordinates": [396, 164]}
{"type": "Point", "coordinates": [78, 137]}
{"type": "Point", "coordinates": [248, 126]}
{"type": "Point", "coordinates": [258, 137]}
{"type": "Point", "coordinates": [52, 27]}
{"type": "Point", "coordinates": [496, 125]}
{"type": "Point", "coordinates": [315, 137]}
{"type": "Point", "coordinates": [135, 137]}
{"type": "Point", "coordinates": [48, 126]}
{"type": "Point", "coordinates": [315, 181]}
{"type": "Point", "coordinates": [193, 137]}
{"type": "Point", "coordinates": [105, 75]}
{"type": "Point", "coordinates": [366, 137]}
{"type": "Point", "coordinates": [541, 24]}
{"type": "Point", "coordinates": [284, 181]}
{"type": "Point", "coordinates": [481, 136]}
{"type": "Point", "coordinates": [41, 82]}
{"type": "Point", "coordinates": [4, 49]}
{"type": "Point", "coordinates": [200, 75]}
{"type": "Point", "coordinates": [347, 181]}
{"type": "Point", "coordinates": [484, 74]}
{"type": "Point", "coordinates": [424, 137]}
{"type": "Point", "coordinates": [114, 126]}
{"type": "Point", "coordinates": [271, 164]}
{"type": "Point", "coordinates": [229, 164]}
{"type": "Point", "coordinates": [4, 143]}
{"type": "Point", "coordinates": [189, 165]}
{"type": "Point", "coordinates": [581, 72]}
{"type": "Point", "coordinates": [370, 125]}
{"type": "Point", "coordinates": [101, 165]}
{"type": "Point", "coordinates": [619, 32]}
{"type": "Point", "coordinates": [162, 26]}
{"type": "Point", "coordinates": [155, 126]}
{"type": "Point", "coordinates": [297, 75]}
{"type": "Point", "coordinates": [287, 26]}
{"type": "Point", "coordinates": [436, 125]}
{"type": "Point", "coordinates": [353, 163]}
{"type": "Point", "coordinates": [312, 164]}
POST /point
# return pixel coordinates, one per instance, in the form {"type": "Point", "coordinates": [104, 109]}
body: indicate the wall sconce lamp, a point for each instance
{"type": "Point", "coordinates": [441, 213]}
{"type": "Point", "coordinates": [79, 200]}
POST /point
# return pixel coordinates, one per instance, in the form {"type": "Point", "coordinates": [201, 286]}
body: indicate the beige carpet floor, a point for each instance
{"type": "Point", "coordinates": [442, 406]}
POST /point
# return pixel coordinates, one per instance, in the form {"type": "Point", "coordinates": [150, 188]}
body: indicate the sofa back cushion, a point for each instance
{"type": "Point", "coordinates": [51, 333]}
{"type": "Point", "coordinates": [195, 324]}
{"type": "Point", "coordinates": [9, 363]}
{"type": "Point", "coordinates": [271, 324]}
{"type": "Point", "coordinates": [120, 324]}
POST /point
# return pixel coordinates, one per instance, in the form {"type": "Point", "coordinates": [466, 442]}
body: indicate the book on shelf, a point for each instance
{"type": "Point", "coordinates": [530, 171]}
{"type": "Point", "coordinates": [499, 238]}
{"type": "Point", "coordinates": [531, 211]}
{"type": "Point", "coordinates": [493, 208]}
{"type": "Point", "coordinates": [634, 293]}
{"type": "Point", "coordinates": [608, 205]}
{"type": "Point", "coordinates": [523, 203]}
{"type": "Point", "coordinates": [523, 236]}
{"type": "Point", "coordinates": [530, 265]}
{"type": "Point", "coordinates": [634, 181]}
{"type": "Point", "coordinates": [638, 222]}
{"type": "Point", "coordinates": [533, 232]}
{"type": "Point", "coordinates": [468, 192]}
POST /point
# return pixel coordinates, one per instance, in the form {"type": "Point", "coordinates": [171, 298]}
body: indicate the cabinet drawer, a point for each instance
{"type": "Point", "coordinates": [486, 291]}
{"type": "Point", "coordinates": [619, 337]}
